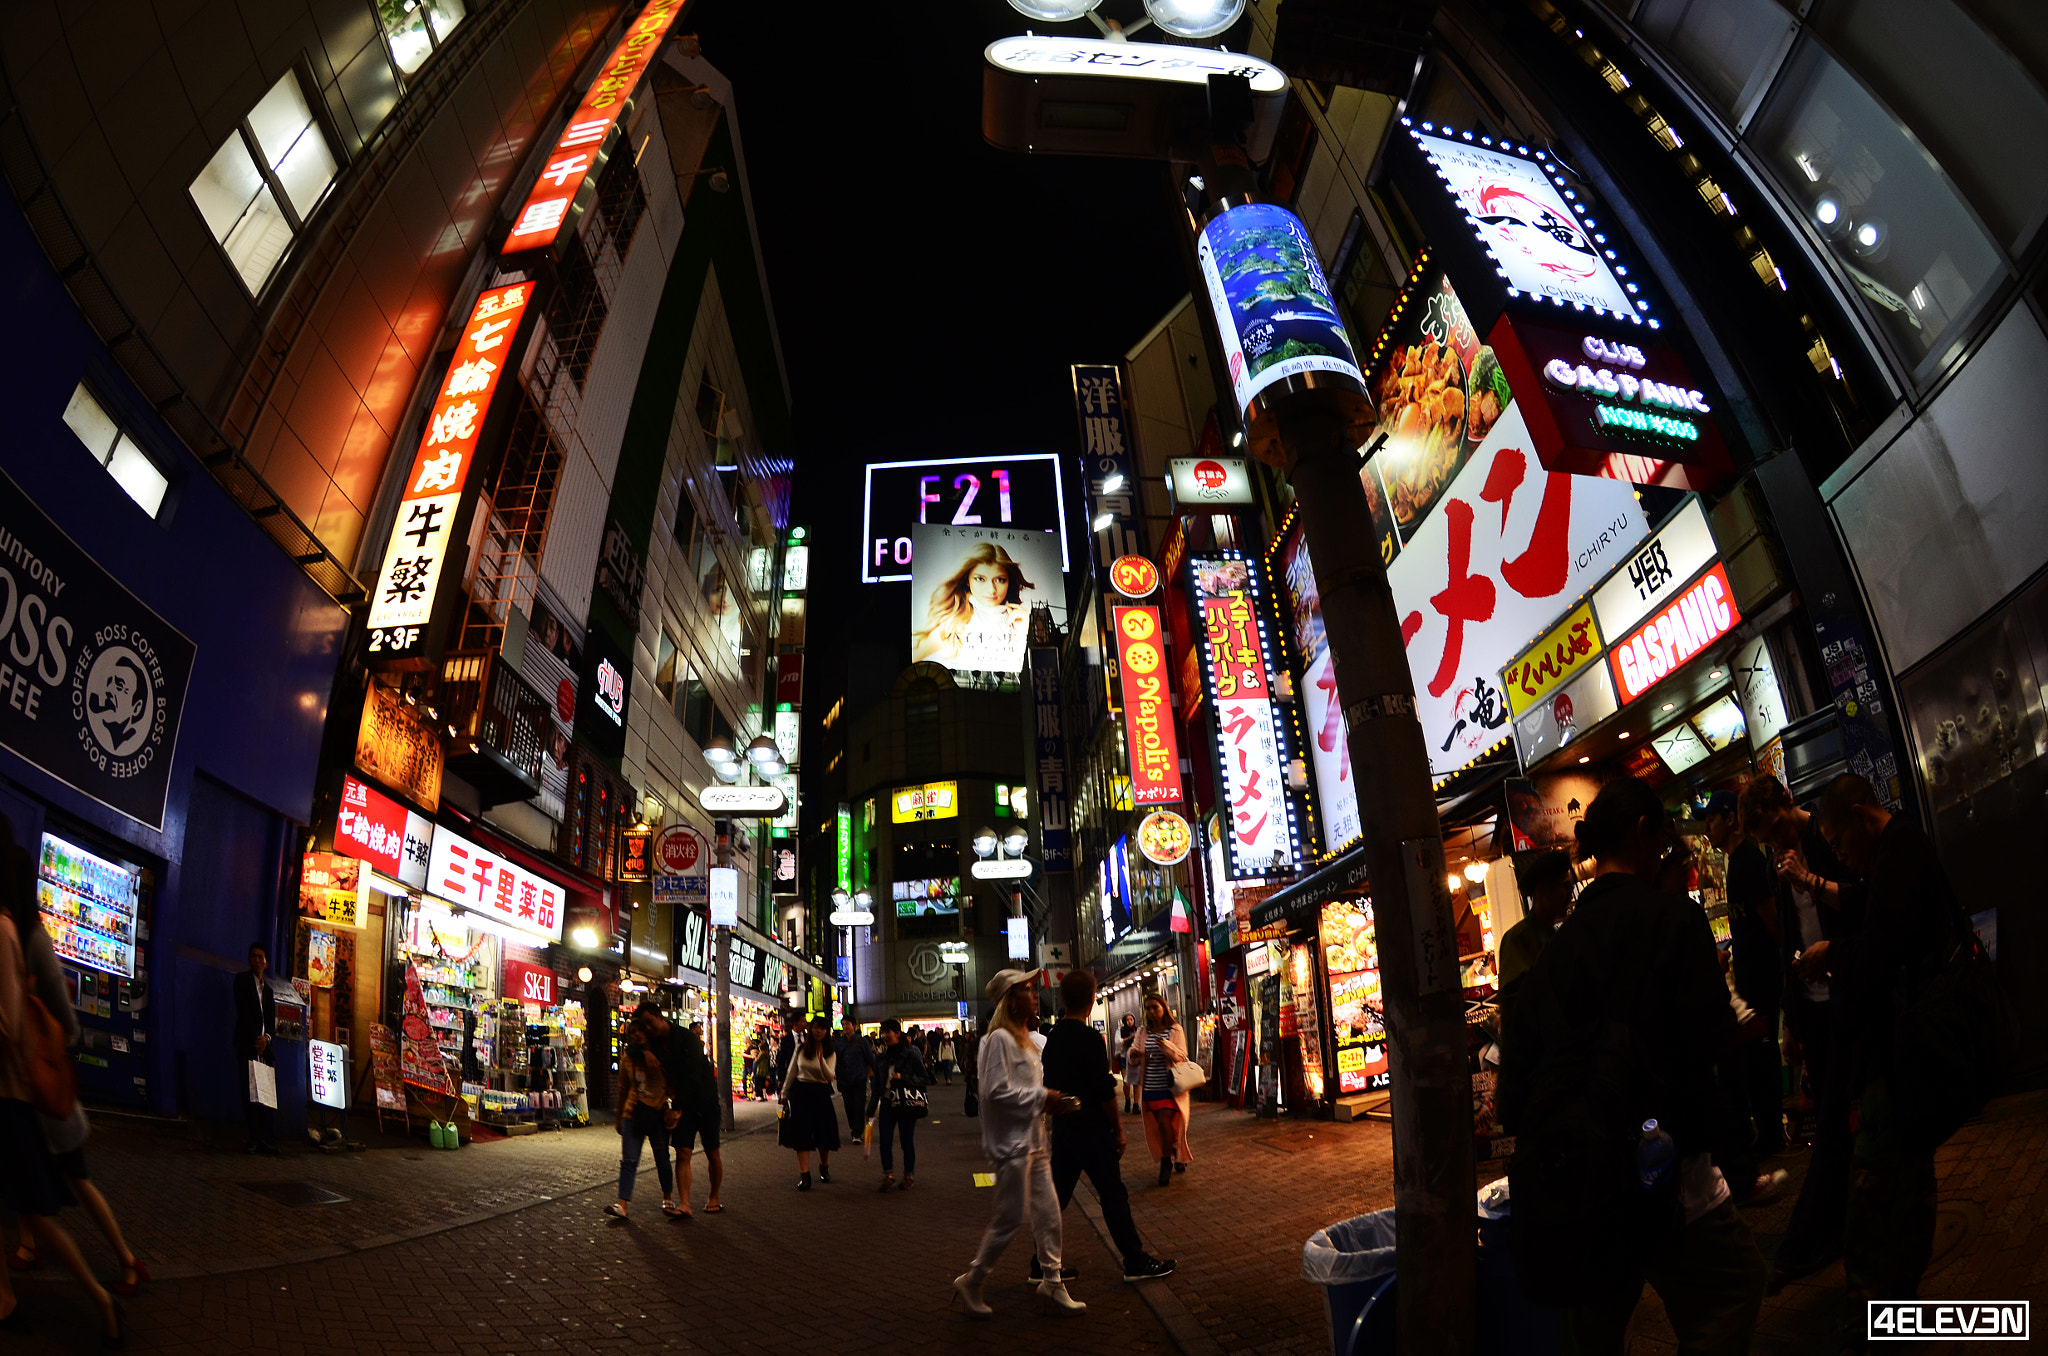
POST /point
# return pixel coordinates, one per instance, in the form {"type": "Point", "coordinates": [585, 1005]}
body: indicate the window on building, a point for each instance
{"type": "Point", "coordinates": [1906, 241]}
{"type": "Point", "coordinates": [693, 707]}
{"type": "Point", "coordinates": [710, 405]}
{"type": "Point", "coordinates": [263, 184]}
{"type": "Point", "coordinates": [1729, 47]}
{"type": "Point", "coordinates": [668, 663]}
{"type": "Point", "coordinates": [685, 521]}
{"type": "Point", "coordinates": [414, 29]}
{"type": "Point", "coordinates": [112, 448]}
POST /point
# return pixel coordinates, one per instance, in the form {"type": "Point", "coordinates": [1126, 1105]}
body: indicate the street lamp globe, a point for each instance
{"type": "Point", "coordinates": [1015, 841]}
{"type": "Point", "coordinates": [1054, 11]}
{"type": "Point", "coordinates": [863, 900]}
{"type": "Point", "coordinates": [840, 898]}
{"type": "Point", "coordinates": [762, 750]}
{"type": "Point", "coordinates": [1193, 18]}
{"type": "Point", "coordinates": [985, 844]}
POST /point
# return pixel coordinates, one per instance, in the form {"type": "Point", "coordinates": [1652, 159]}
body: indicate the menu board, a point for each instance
{"type": "Point", "coordinates": [1357, 1011]}
{"type": "Point", "coordinates": [88, 905]}
{"type": "Point", "coordinates": [384, 1068]}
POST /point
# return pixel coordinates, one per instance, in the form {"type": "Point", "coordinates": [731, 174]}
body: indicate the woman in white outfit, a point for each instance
{"type": "Point", "coordinates": [1014, 1104]}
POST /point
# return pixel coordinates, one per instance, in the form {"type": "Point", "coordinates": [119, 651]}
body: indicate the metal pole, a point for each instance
{"type": "Point", "coordinates": [1434, 1169]}
{"type": "Point", "coordinates": [721, 983]}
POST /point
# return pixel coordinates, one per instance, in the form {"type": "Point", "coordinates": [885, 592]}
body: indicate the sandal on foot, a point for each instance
{"type": "Point", "coordinates": [614, 1211]}
{"type": "Point", "coordinates": [127, 1288]}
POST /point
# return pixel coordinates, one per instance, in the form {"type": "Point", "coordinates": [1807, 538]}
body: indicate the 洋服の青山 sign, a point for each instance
{"type": "Point", "coordinates": [92, 682]}
{"type": "Point", "coordinates": [1702, 613]}
{"type": "Point", "coordinates": [580, 151]}
{"type": "Point", "coordinates": [424, 535]}
{"type": "Point", "coordinates": [1610, 407]}
{"type": "Point", "coordinates": [1148, 706]}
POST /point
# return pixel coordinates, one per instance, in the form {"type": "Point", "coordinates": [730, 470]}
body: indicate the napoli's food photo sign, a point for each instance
{"type": "Point", "coordinates": [92, 682]}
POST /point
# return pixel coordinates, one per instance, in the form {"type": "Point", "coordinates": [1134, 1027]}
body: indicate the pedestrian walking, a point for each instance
{"type": "Point", "coordinates": [785, 1051]}
{"type": "Point", "coordinates": [644, 1117]}
{"type": "Point", "coordinates": [1608, 1082]}
{"type": "Point", "coordinates": [1015, 1102]}
{"type": "Point", "coordinates": [809, 1124]}
{"type": "Point", "coordinates": [693, 1098]}
{"type": "Point", "coordinates": [1154, 1053]}
{"type": "Point", "coordinates": [1127, 1035]}
{"type": "Point", "coordinates": [66, 1135]}
{"type": "Point", "coordinates": [747, 1059]}
{"type": "Point", "coordinates": [897, 1102]}
{"type": "Point", "coordinates": [856, 1070]}
{"type": "Point", "coordinates": [255, 1028]}
{"type": "Point", "coordinates": [31, 1187]}
{"type": "Point", "coordinates": [1755, 966]}
{"type": "Point", "coordinates": [946, 1057]}
{"type": "Point", "coordinates": [1091, 1140]}
{"type": "Point", "coordinates": [964, 1053]}
{"type": "Point", "coordinates": [1912, 923]}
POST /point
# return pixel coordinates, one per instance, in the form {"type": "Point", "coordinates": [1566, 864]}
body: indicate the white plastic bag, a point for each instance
{"type": "Point", "coordinates": [262, 1084]}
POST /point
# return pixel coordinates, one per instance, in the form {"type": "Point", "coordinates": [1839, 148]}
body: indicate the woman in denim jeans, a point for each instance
{"type": "Point", "coordinates": [643, 1116]}
{"type": "Point", "coordinates": [900, 1065]}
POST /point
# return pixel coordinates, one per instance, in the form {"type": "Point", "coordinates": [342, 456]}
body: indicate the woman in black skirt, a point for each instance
{"type": "Point", "coordinates": [809, 1121]}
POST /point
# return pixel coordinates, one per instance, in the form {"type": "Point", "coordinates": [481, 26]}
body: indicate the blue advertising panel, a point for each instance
{"type": "Point", "coordinates": [1051, 740]}
{"type": "Point", "coordinates": [1272, 304]}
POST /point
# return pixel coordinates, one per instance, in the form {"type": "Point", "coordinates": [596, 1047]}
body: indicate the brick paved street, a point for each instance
{"type": "Point", "coordinates": [501, 1248]}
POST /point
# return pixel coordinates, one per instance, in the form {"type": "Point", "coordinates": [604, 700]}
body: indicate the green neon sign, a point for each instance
{"type": "Point", "coordinates": [1618, 419]}
{"type": "Point", "coordinates": [844, 862]}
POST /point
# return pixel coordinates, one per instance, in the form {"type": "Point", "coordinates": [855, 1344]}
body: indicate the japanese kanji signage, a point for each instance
{"type": "Point", "coordinates": [420, 1061]}
{"type": "Point", "coordinates": [479, 879]}
{"type": "Point", "coordinates": [331, 889]}
{"type": "Point", "coordinates": [94, 681]}
{"type": "Point", "coordinates": [1053, 832]}
{"type": "Point", "coordinates": [579, 150]}
{"type": "Point", "coordinates": [1260, 829]}
{"type": "Point", "coordinates": [1328, 745]}
{"type": "Point", "coordinates": [1507, 551]}
{"type": "Point", "coordinates": [1271, 302]}
{"type": "Point", "coordinates": [423, 537]}
{"type": "Point", "coordinates": [1148, 706]}
{"type": "Point", "coordinates": [327, 1065]}
{"type": "Point", "coordinates": [398, 748]}
{"type": "Point", "coordinates": [380, 831]}
{"type": "Point", "coordinates": [635, 846]}
{"type": "Point", "coordinates": [1108, 459]}
{"type": "Point", "coordinates": [1698, 616]}
{"type": "Point", "coordinates": [1565, 651]}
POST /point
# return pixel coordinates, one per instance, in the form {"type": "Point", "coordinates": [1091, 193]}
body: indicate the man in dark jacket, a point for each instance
{"type": "Point", "coordinates": [1643, 958]}
{"type": "Point", "coordinates": [1091, 1140]}
{"type": "Point", "coordinates": [856, 1069]}
{"type": "Point", "coordinates": [1911, 923]}
{"type": "Point", "coordinates": [255, 1027]}
{"type": "Point", "coordinates": [693, 1092]}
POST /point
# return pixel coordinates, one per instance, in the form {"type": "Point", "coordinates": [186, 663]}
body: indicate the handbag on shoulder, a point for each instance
{"type": "Point", "coordinates": [909, 1103]}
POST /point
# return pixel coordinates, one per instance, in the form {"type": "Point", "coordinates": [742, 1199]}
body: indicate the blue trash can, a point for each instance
{"type": "Point", "coordinates": [1354, 1263]}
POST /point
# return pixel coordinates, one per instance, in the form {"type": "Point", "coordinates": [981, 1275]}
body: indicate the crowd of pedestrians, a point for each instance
{"type": "Point", "coordinates": [1641, 1075]}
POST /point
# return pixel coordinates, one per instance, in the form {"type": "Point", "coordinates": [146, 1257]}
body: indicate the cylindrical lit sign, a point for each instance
{"type": "Point", "coordinates": [1271, 302]}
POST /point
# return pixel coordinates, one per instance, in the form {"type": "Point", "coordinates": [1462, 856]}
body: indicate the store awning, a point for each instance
{"type": "Point", "coordinates": [1345, 875]}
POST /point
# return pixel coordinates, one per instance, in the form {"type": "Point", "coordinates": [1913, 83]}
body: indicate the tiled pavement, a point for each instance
{"type": "Point", "coordinates": [500, 1248]}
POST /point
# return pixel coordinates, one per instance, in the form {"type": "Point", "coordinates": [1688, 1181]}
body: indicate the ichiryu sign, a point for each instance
{"type": "Point", "coordinates": [763, 802]}
{"type": "Point", "coordinates": [1000, 870]}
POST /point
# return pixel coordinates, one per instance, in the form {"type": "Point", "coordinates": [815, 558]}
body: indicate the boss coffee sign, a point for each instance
{"type": "Point", "coordinates": [92, 682]}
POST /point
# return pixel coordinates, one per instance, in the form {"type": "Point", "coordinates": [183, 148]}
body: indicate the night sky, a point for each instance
{"type": "Point", "coordinates": [930, 291]}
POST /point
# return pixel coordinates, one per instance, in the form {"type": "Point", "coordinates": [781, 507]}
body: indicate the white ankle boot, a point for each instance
{"type": "Point", "coordinates": [967, 1286]}
{"type": "Point", "coordinates": [1055, 1294]}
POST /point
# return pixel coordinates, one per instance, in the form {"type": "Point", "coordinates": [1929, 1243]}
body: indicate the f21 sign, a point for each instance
{"type": "Point", "coordinates": [1020, 491]}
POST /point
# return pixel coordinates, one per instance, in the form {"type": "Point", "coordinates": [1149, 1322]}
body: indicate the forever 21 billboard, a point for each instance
{"type": "Point", "coordinates": [92, 682]}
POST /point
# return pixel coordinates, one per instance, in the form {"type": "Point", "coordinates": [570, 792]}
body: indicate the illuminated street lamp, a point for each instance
{"type": "Point", "coordinates": [1015, 841]}
{"type": "Point", "coordinates": [985, 843]}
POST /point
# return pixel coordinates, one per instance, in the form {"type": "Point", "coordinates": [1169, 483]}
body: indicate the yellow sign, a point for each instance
{"type": "Point", "coordinates": [933, 800]}
{"type": "Point", "coordinates": [1572, 645]}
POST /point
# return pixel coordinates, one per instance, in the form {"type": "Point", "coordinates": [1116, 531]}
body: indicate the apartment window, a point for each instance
{"type": "Point", "coordinates": [1906, 241]}
{"type": "Point", "coordinates": [414, 29]}
{"type": "Point", "coordinates": [263, 184]}
{"type": "Point", "coordinates": [1729, 47]}
{"type": "Point", "coordinates": [112, 448]}
{"type": "Point", "coordinates": [668, 662]}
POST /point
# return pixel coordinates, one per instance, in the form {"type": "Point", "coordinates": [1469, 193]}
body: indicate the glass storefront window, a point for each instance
{"type": "Point", "coordinates": [1728, 47]}
{"type": "Point", "coordinates": [1915, 254]}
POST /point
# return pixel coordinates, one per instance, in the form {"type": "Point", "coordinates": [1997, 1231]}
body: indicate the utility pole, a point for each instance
{"type": "Point", "coordinates": [1436, 1251]}
{"type": "Point", "coordinates": [721, 984]}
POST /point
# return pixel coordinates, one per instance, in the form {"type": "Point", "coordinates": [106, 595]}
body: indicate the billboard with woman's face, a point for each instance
{"type": "Point", "coordinates": [972, 590]}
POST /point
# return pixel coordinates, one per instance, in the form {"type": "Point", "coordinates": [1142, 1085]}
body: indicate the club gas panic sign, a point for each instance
{"type": "Point", "coordinates": [1023, 491]}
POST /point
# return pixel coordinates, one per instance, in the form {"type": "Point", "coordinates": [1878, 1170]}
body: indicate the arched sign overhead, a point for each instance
{"type": "Point", "coordinates": [1052, 54]}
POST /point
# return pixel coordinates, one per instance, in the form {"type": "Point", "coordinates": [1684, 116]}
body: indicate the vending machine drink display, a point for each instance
{"type": "Point", "coordinates": [96, 911]}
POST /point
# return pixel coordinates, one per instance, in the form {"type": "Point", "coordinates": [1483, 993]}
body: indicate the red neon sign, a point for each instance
{"type": "Point", "coordinates": [1695, 619]}
{"type": "Point", "coordinates": [541, 220]}
{"type": "Point", "coordinates": [1148, 706]}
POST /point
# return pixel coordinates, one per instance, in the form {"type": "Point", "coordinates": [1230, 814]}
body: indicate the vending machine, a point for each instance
{"type": "Point", "coordinates": [96, 908]}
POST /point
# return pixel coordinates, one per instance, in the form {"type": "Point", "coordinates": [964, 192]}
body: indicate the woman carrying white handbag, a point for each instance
{"type": "Point", "coordinates": [1162, 1073]}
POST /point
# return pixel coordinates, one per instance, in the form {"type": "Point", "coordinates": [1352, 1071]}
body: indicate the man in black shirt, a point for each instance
{"type": "Point", "coordinates": [1091, 1140]}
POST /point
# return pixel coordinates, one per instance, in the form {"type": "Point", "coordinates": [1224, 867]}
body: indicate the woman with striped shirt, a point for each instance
{"type": "Point", "coordinates": [1160, 1045]}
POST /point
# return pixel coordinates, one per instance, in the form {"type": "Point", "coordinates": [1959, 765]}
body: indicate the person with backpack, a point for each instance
{"type": "Point", "coordinates": [1913, 929]}
{"type": "Point", "coordinates": [1608, 1082]}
